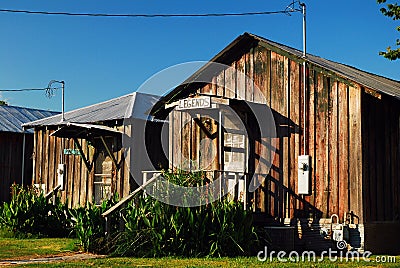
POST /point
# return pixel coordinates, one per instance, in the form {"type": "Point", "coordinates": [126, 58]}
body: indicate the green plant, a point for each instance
{"type": "Point", "coordinates": [85, 224]}
{"type": "Point", "coordinates": [88, 224]}
{"type": "Point", "coordinates": [154, 229]}
{"type": "Point", "coordinates": [6, 233]}
{"type": "Point", "coordinates": [184, 178]}
{"type": "Point", "coordinates": [232, 233]}
{"type": "Point", "coordinates": [30, 214]}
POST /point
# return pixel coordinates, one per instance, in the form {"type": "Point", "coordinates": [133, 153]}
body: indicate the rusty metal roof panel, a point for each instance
{"type": "Point", "coordinates": [12, 117]}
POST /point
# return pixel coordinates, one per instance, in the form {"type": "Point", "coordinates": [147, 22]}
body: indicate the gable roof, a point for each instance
{"type": "Point", "coordinates": [247, 40]}
{"type": "Point", "coordinates": [12, 117]}
{"type": "Point", "coordinates": [114, 109]}
{"type": "Point", "coordinates": [372, 81]}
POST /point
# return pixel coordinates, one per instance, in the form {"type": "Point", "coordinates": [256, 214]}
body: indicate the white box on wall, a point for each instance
{"type": "Point", "coordinates": [304, 171]}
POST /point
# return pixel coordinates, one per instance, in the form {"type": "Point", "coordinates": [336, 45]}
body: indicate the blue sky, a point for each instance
{"type": "Point", "coordinates": [103, 58]}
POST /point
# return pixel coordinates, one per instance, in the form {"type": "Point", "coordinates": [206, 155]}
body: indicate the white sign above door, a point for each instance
{"type": "Point", "coordinates": [194, 103]}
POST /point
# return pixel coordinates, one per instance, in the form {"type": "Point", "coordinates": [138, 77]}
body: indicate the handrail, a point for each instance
{"type": "Point", "coordinates": [49, 194]}
{"type": "Point", "coordinates": [154, 177]}
{"type": "Point", "coordinates": [130, 196]}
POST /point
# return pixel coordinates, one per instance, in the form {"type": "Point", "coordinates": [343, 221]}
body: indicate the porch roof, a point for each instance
{"type": "Point", "coordinates": [135, 105]}
{"type": "Point", "coordinates": [84, 131]}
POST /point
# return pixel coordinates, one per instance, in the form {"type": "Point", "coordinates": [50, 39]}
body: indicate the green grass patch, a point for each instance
{"type": "Point", "coordinates": [12, 248]}
{"type": "Point", "coordinates": [206, 262]}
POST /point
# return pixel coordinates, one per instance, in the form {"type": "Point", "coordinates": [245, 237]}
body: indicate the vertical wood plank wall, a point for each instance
{"type": "Point", "coordinates": [381, 155]}
{"type": "Point", "coordinates": [79, 180]}
{"type": "Point", "coordinates": [333, 133]}
{"type": "Point", "coordinates": [11, 161]}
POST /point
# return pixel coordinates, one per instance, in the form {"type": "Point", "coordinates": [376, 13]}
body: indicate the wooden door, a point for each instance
{"type": "Point", "coordinates": [103, 176]}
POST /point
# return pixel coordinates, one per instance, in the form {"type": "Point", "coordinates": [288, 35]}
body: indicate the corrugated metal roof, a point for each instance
{"type": "Point", "coordinates": [369, 80]}
{"type": "Point", "coordinates": [12, 117]}
{"type": "Point", "coordinates": [134, 105]}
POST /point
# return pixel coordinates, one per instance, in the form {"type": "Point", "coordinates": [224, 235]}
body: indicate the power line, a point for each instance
{"type": "Point", "coordinates": [287, 11]}
{"type": "Point", "coordinates": [26, 89]}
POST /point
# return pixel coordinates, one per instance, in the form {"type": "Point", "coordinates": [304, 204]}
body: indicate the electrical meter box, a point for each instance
{"type": "Point", "coordinates": [61, 176]}
{"type": "Point", "coordinates": [304, 172]}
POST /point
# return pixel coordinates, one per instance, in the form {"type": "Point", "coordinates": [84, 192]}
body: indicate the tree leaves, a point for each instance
{"type": "Point", "coordinates": [392, 10]}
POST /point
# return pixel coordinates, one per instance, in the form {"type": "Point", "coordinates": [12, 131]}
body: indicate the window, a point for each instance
{"type": "Point", "coordinates": [234, 152]}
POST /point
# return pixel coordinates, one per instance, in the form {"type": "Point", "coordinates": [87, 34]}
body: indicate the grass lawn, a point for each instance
{"type": "Point", "coordinates": [12, 248]}
{"type": "Point", "coordinates": [197, 262]}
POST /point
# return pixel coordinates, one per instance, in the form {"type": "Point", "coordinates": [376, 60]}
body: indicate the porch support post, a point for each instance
{"type": "Point", "coordinates": [23, 158]}
{"type": "Point", "coordinates": [221, 151]}
{"type": "Point", "coordinates": [245, 192]}
{"type": "Point", "coordinates": [87, 164]}
{"type": "Point", "coordinates": [109, 152]}
{"type": "Point", "coordinates": [220, 140]}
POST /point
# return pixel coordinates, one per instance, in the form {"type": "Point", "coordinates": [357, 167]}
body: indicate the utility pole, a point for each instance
{"type": "Point", "coordinates": [49, 94]}
{"type": "Point", "coordinates": [303, 7]}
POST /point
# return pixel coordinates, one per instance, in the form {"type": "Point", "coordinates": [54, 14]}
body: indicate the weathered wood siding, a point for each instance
{"type": "Point", "coordinates": [193, 147]}
{"type": "Point", "coordinates": [78, 185]}
{"type": "Point", "coordinates": [79, 182]}
{"type": "Point", "coordinates": [333, 133]}
{"type": "Point", "coordinates": [11, 150]}
{"type": "Point", "coordinates": [381, 154]}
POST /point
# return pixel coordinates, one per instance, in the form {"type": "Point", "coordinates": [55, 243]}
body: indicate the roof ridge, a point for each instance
{"type": "Point", "coordinates": [263, 39]}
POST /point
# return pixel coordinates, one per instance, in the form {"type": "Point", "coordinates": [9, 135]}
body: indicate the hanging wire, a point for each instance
{"type": "Point", "coordinates": [286, 11]}
{"type": "Point", "coordinates": [49, 90]}
{"type": "Point", "coordinates": [23, 89]}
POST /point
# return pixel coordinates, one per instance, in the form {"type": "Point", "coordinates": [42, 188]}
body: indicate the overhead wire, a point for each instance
{"type": "Point", "coordinates": [26, 89]}
{"type": "Point", "coordinates": [286, 11]}
{"type": "Point", "coordinates": [289, 9]}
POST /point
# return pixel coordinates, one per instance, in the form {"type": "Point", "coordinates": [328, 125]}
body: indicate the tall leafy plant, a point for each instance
{"type": "Point", "coordinates": [89, 225]}
{"type": "Point", "coordinates": [152, 228]}
{"type": "Point", "coordinates": [29, 213]}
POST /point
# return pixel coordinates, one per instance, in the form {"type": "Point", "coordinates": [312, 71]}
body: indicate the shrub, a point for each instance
{"type": "Point", "coordinates": [28, 213]}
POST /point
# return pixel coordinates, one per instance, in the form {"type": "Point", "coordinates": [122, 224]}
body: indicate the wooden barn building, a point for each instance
{"type": "Point", "coordinates": [16, 146]}
{"type": "Point", "coordinates": [83, 155]}
{"type": "Point", "coordinates": [345, 121]}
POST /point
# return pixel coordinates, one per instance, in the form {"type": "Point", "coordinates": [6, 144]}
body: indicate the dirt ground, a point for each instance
{"type": "Point", "coordinates": [59, 257]}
